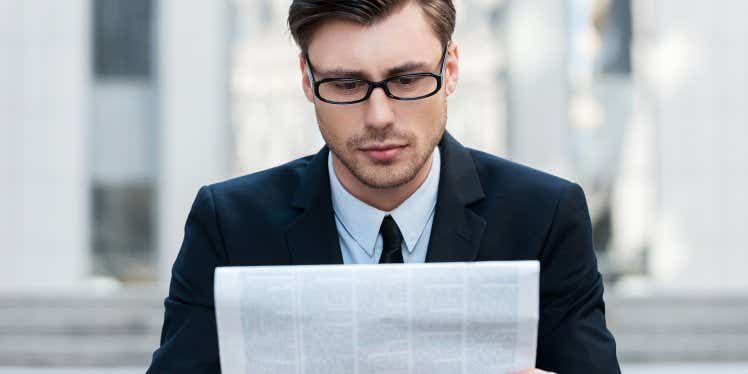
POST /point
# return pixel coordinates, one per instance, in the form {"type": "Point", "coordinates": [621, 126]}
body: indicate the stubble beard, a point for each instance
{"type": "Point", "coordinates": [384, 175]}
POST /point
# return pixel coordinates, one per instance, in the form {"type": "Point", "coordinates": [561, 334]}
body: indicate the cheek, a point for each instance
{"type": "Point", "coordinates": [421, 117]}
{"type": "Point", "coordinates": [338, 123]}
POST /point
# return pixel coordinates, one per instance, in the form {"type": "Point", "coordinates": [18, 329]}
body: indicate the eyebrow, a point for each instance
{"type": "Point", "coordinates": [347, 73]}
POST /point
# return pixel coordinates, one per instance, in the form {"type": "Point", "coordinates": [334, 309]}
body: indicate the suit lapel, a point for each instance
{"type": "Point", "coordinates": [313, 238]}
{"type": "Point", "coordinates": [457, 230]}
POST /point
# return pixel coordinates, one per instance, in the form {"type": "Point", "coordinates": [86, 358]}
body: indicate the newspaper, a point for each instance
{"type": "Point", "coordinates": [430, 318]}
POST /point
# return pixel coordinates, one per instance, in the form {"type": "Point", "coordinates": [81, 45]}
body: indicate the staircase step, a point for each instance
{"type": "Point", "coordinates": [122, 329]}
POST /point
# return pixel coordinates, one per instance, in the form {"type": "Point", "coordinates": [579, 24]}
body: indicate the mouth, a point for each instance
{"type": "Point", "coordinates": [383, 152]}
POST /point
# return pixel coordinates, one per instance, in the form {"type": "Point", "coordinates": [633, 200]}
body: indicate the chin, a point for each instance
{"type": "Point", "coordinates": [387, 176]}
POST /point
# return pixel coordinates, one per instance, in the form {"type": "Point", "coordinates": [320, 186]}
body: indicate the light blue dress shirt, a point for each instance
{"type": "Point", "coordinates": [358, 223]}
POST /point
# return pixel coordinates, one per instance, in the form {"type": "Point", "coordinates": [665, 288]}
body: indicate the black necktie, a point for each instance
{"type": "Point", "coordinates": [392, 242]}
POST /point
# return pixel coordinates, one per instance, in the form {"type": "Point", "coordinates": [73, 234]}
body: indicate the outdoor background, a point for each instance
{"type": "Point", "coordinates": [114, 112]}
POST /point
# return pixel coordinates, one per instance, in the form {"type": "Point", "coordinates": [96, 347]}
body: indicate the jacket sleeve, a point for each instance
{"type": "Point", "coordinates": [572, 335]}
{"type": "Point", "coordinates": [189, 342]}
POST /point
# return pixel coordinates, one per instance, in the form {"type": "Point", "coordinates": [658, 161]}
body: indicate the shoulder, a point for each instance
{"type": "Point", "coordinates": [271, 187]}
{"type": "Point", "coordinates": [529, 211]}
{"type": "Point", "coordinates": [502, 178]}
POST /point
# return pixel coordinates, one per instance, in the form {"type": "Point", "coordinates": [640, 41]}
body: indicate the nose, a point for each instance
{"type": "Point", "coordinates": [379, 110]}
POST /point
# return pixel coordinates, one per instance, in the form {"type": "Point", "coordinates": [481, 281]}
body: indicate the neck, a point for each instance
{"type": "Point", "coordinates": [385, 199]}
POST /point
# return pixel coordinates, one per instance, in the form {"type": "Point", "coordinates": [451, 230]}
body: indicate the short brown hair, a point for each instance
{"type": "Point", "coordinates": [305, 16]}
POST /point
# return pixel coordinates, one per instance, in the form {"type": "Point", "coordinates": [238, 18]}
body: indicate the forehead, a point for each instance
{"type": "Point", "coordinates": [404, 36]}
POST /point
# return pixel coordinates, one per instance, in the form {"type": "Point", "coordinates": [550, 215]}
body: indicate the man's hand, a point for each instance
{"type": "Point", "coordinates": [534, 371]}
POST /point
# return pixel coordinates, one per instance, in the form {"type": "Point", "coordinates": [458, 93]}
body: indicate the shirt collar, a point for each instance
{"type": "Point", "coordinates": [362, 221]}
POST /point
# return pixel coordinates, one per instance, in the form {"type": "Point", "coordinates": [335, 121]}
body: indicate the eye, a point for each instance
{"type": "Point", "coordinates": [405, 80]}
{"type": "Point", "coordinates": [350, 85]}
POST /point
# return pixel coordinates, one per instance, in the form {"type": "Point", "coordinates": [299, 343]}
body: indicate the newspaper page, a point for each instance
{"type": "Point", "coordinates": [478, 317]}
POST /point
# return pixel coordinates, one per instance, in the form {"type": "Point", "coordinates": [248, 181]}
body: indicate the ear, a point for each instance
{"type": "Point", "coordinates": [452, 68]}
{"type": "Point", "coordinates": [305, 84]}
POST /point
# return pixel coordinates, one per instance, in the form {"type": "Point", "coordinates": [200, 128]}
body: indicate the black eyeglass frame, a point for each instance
{"type": "Point", "coordinates": [381, 84]}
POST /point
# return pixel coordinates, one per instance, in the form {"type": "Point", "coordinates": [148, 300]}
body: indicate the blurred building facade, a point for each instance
{"type": "Point", "coordinates": [45, 75]}
{"type": "Point", "coordinates": [695, 89]}
{"type": "Point", "coordinates": [114, 112]}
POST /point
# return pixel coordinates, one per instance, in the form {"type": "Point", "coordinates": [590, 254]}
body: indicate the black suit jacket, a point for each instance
{"type": "Point", "coordinates": [487, 208]}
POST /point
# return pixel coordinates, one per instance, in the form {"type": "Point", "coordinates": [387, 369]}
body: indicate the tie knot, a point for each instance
{"type": "Point", "coordinates": [390, 231]}
{"type": "Point", "coordinates": [392, 241]}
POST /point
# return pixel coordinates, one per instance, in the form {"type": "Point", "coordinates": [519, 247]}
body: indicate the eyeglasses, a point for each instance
{"type": "Point", "coordinates": [413, 86]}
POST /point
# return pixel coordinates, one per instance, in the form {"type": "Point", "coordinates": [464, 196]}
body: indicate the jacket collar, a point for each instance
{"type": "Point", "coordinates": [456, 233]}
{"type": "Point", "coordinates": [312, 237]}
{"type": "Point", "coordinates": [457, 230]}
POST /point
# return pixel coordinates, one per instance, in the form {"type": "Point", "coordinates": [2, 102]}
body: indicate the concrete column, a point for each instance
{"type": "Point", "coordinates": [194, 146]}
{"type": "Point", "coordinates": [44, 81]}
{"type": "Point", "coordinates": [538, 115]}
{"type": "Point", "coordinates": [698, 66]}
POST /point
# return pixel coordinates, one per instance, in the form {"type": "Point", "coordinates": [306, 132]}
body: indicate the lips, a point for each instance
{"type": "Point", "coordinates": [383, 152]}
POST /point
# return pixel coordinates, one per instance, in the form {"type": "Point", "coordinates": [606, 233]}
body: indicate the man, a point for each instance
{"type": "Point", "coordinates": [390, 186]}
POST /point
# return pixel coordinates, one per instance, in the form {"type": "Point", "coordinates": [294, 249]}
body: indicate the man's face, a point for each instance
{"type": "Point", "coordinates": [383, 142]}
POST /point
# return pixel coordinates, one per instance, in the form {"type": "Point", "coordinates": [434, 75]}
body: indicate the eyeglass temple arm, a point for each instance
{"type": "Point", "coordinates": [309, 73]}
{"type": "Point", "coordinates": [444, 58]}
